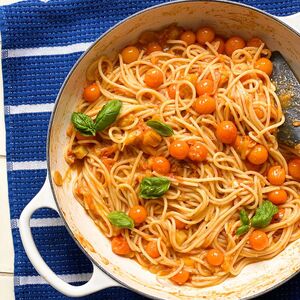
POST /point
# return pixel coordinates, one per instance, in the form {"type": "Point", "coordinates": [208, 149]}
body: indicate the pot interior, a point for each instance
{"type": "Point", "coordinates": [227, 19]}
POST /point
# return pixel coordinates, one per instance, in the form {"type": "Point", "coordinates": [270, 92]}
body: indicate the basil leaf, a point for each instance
{"type": "Point", "coordinates": [120, 219]}
{"type": "Point", "coordinates": [83, 123]}
{"type": "Point", "coordinates": [264, 214]}
{"type": "Point", "coordinates": [160, 127]}
{"type": "Point", "coordinates": [154, 187]}
{"type": "Point", "coordinates": [244, 217]}
{"type": "Point", "coordinates": [242, 229]}
{"type": "Point", "coordinates": [108, 114]}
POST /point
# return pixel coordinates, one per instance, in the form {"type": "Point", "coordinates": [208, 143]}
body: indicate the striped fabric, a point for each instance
{"type": "Point", "coordinates": [41, 41]}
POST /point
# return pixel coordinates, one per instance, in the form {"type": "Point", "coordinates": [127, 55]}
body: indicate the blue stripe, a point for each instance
{"type": "Point", "coordinates": [39, 292]}
{"type": "Point", "coordinates": [22, 187]}
{"type": "Point", "coordinates": [35, 79]}
{"type": "Point", "coordinates": [31, 127]}
{"type": "Point", "coordinates": [68, 259]}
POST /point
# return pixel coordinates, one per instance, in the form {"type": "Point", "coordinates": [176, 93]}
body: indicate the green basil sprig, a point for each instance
{"type": "Point", "coordinates": [154, 187]}
{"type": "Point", "coordinates": [83, 123]}
{"type": "Point", "coordinates": [108, 114]}
{"type": "Point", "coordinates": [245, 227]}
{"type": "Point", "coordinates": [120, 219]}
{"type": "Point", "coordinates": [160, 127]}
{"type": "Point", "coordinates": [264, 214]}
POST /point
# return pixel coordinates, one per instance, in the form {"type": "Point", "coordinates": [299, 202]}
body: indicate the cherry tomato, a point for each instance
{"type": "Point", "coordinates": [198, 152]}
{"type": "Point", "coordinates": [279, 216]}
{"type": "Point", "coordinates": [138, 214]}
{"type": "Point", "coordinates": [234, 43]}
{"type": "Point", "coordinates": [181, 277]}
{"type": "Point", "coordinates": [258, 240]}
{"type": "Point", "coordinates": [189, 37]}
{"type": "Point", "coordinates": [130, 54]}
{"type": "Point", "coordinates": [276, 175]}
{"type": "Point", "coordinates": [204, 104]}
{"type": "Point", "coordinates": [278, 197]}
{"type": "Point", "coordinates": [265, 65]}
{"type": "Point", "coordinates": [205, 34]}
{"type": "Point", "coordinates": [120, 246]}
{"type": "Point", "coordinates": [179, 224]}
{"type": "Point", "coordinates": [255, 42]}
{"type": "Point", "coordinates": [226, 132]}
{"type": "Point", "coordinates": [258, 155]}
{"type": "Point", "coordinates": [152, 250]}
{"type": "Point", "coordinates": [161, 165]}
{"type": "Point", "coordinates": [204, 86]}
{"type": "Point", "coordinates": [153, 46]}
{"type": "Point", "coordinates": [259, 113]}
{"type": "Point", "coordinates": [172, 91]}
{"type": "Point", "coordinates": [294, 168]}
{"type": "Point", "coordinates": [179, 149]}
{"type": "Point", "coordinates": [221, 47]}
{"type": "Point", "coordinates": [91, 93]}
{"type": "Point", "coordinates": [154, 78]}
{"type": "Point", "coordinates": [215, 257]}
{"type": "Point", "coordinates": [81, 137]}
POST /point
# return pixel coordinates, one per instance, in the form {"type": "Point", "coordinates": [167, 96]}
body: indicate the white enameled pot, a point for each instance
{"type": "Point", "coordinates": [109, 269]}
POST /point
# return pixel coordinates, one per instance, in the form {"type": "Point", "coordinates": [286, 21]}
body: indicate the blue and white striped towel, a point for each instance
{"type": "Point", "coordinates": [41, 41]}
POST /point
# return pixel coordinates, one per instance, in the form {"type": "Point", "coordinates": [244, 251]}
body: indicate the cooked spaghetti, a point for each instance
{"type": "Point", "coordinates": [174, 143]}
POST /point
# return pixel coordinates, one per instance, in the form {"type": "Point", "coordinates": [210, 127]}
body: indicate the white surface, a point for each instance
{"type": "Point", "coordinates": [7, 287]}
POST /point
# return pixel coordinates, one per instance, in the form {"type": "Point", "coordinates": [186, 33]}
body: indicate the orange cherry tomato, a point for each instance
{"type": "Point", "coordinates": [294, 168]}
{"type": "Point", "coordinates": [255, 42]}
{"type": "Point", "coordinates": [179, 149]}
{"type": "Point", "coordinates": [152, 250]}
{"type": "Point", "coordinates": [138, 214]}
{"type": "Point", "coordinates": [204, 104]}
{"type": "Point", "coordinates": [259, 113]}
{"type": "Point", "coordinates": [120, 246]}
{"type": "Point", "coordinates": [278, 197]}
{"type": "Point", "coordinates": [172, 91]}
{"type": "Point", "coordinates": [279, 216]}
{"type": "Point", "coordinates": [189, 37]}
{"type": "Point", "coordinates": [258, 155]}
{"type": "Point", "coordinates": [258, 240]}
{"type": "Point", "coordinates": [234, 43]}
{"type": "Point", "coordinates": [221, 47]}
{"type": "Point", "coordinates": [226, 132]}
{"type": "Point", "coordinates": [181, 277]}
{"type": "Point", "coordinates": [161, 165]}
{"type": "Point", "coordinates": [81, 137]}
{"type": "Point", "coordinates": [205, 34]}
{"type": "Point", "coordinates": [91, 93]}
{"type": "Point", "coordinates": [276, 175]}
{"type": "Point", "coordinates": [179, 224]}
{"type": "Point", "coordinates": [153, 46]}
{"type": "Point", "coordinates": [215, 257]}
{"type": "Point", "coordinates": [265, 65]}
{"type": "Point", "coordinates": [130, 54]}
{"type": "Point", "coordinates": [154, 78]}
{"type": "Point", "coordinates": [204, 86]}
{"type": "Point", "coordinates": [198, 152]}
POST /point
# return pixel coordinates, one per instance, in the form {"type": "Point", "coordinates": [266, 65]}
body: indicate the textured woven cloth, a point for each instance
{"type": "Point", "coordinates": [41, 42]}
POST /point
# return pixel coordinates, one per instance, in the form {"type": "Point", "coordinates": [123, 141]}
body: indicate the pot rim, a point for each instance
{"type": "Point", "coordinates": [103, 269]}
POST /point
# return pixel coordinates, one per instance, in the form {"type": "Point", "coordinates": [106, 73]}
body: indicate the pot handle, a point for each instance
{"type": "Point", "coordinates": [99, 279]}
{"type": "Point", "coordinates": [292, 20]}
